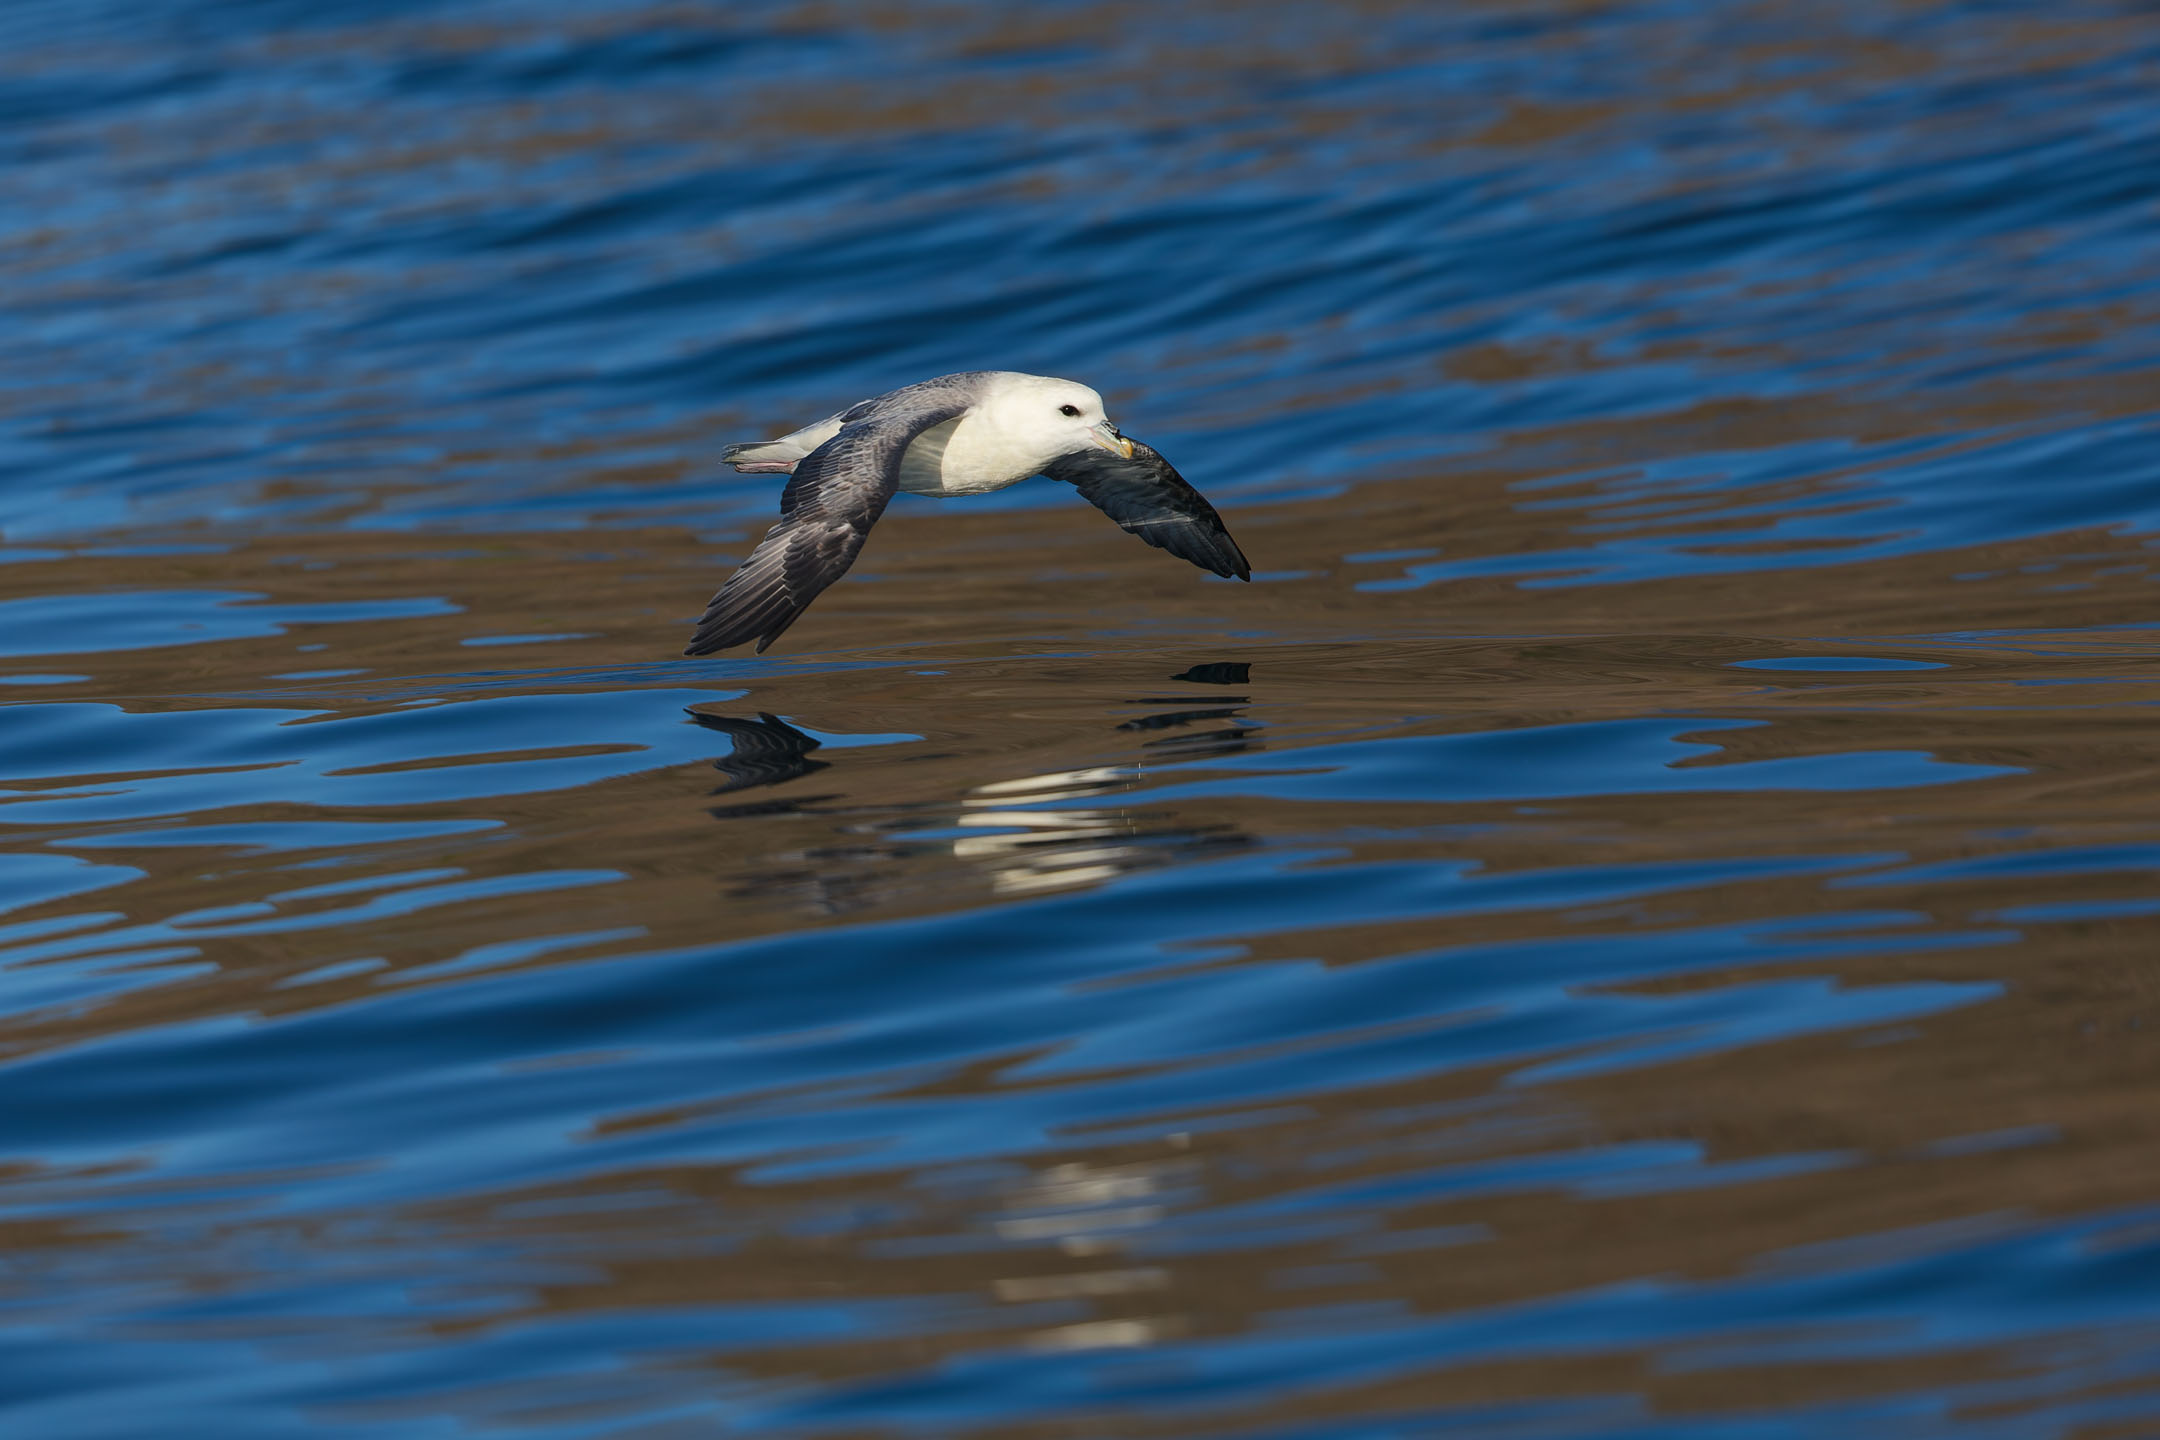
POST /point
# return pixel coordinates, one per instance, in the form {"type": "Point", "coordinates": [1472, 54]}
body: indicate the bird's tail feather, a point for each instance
{"type": "Point", "coordinates": [762, 457]}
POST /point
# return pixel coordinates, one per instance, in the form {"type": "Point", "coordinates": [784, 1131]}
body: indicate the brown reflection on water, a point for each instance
{"type": "Point", "coordinates": [1035, 656]}
{"type": "Point", "coordinates": [1027, 690]}
{"type": "Point", "coordinates": [1058, 1254]}
{"type": "Point", "coordinates": [1024, 646]}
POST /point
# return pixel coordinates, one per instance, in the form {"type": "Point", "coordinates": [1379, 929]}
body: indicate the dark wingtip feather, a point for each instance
{"type": "Point", "coordinates": [738, 624]}
{"type": "Point", "coordinates": [1147, 497]}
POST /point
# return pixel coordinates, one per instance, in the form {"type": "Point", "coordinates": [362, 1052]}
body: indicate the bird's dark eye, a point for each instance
{"type": "Point", "coordinates": [1068, 410]}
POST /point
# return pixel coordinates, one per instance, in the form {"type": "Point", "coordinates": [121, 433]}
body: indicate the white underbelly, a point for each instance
{"type": "Point", "coordinates": [931, 467]}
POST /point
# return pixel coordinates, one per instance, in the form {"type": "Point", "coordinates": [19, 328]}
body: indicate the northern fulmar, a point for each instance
{"type": "Point", "coordinates": [965, 434]}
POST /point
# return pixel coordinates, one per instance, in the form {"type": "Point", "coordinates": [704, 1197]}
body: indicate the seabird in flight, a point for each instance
{"type": "Point", "coordinates": [965, 434]}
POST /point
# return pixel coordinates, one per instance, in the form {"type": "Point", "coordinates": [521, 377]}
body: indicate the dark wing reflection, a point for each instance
{"type": "Point", "coordinates": [1217, 672]}
{"type": "Point", "coordinates": [1166, 719]}
{"type": "Point", "coordinates": [1026, 834]}
{"type": "Point", "coordinates": [1186, 744]}
{"type": "Point", "coordinates": [768, 750]}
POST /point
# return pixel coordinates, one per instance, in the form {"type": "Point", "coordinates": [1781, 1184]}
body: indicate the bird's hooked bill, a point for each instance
{"type": "Point", "coordinates": [1106, 435]}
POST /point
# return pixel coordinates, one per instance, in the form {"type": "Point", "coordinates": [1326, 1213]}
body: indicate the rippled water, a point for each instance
{"type": "Point", "coordinates": [1640, 922]}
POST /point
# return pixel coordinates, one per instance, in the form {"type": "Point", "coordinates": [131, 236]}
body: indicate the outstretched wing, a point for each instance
{"type": "Point", "coordinates": [1148, 497]}
{"type": "Point", "coordinates": [836, 494]}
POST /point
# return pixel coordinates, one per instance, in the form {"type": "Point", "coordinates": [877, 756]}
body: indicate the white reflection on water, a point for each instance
{"type": "Point", "coordinates": [1043, 850]}
{"type": "Point", "coordinates": [1087, 1211]}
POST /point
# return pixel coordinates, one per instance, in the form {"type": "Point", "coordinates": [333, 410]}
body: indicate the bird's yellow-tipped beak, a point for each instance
{"type": "Point", "coordinates": [1106, 436]}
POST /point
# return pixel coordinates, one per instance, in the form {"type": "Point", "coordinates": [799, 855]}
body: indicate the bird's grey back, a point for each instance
{"type": "Point", "coordinates": [781, 454]}
{"type": "Point", "coordinates": [943, 392]}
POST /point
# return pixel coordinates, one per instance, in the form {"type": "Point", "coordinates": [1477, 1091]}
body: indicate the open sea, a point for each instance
{"type": "Point", "coordinates": [1641, 923]}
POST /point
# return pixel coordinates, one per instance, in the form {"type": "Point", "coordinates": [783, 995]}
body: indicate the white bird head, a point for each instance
{"type": "Point", "coordinates": [1049, 417]}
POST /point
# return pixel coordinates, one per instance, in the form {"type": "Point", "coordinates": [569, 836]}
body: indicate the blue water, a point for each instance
{"type": "Point", "coordinates": [1637, 923]}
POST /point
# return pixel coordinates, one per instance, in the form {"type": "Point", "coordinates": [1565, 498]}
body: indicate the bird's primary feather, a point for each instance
{"type": "Point", "coordinates": [1148, 497]}
{"type": "Point", "coordinates": [833, 498]}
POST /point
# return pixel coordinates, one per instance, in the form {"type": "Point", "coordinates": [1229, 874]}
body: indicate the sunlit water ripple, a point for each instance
{"type": "Point", "coordinates": [1637, 923]}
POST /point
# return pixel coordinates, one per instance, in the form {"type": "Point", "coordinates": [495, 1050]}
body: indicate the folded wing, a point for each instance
{"type": "Point", "coordinates": [835, 495]}
{"type": "Point", "coordinates": [1148, 497]}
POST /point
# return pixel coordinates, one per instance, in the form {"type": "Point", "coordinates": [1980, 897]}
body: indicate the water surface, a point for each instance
{"type": "Point", "coordinates": [1637, 923]}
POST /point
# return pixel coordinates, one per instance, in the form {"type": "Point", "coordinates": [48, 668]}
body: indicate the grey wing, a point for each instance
{"type": "Point", "coordinates": [1148, 497]}
{"type": "Point", "coordinates": [836, 494]}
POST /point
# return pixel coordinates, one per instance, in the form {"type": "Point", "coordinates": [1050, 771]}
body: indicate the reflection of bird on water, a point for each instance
{"type": "Point", "coordinates": [965, 434]}
{"type": "Point", "coordinates": [1026, 832]}
{"type": "Point", "coordinates": [1193, 745]}
{"type": "Point", "coordinates": [1217, 672]}
{"type": "Point", "coordinates": [768, 750]}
